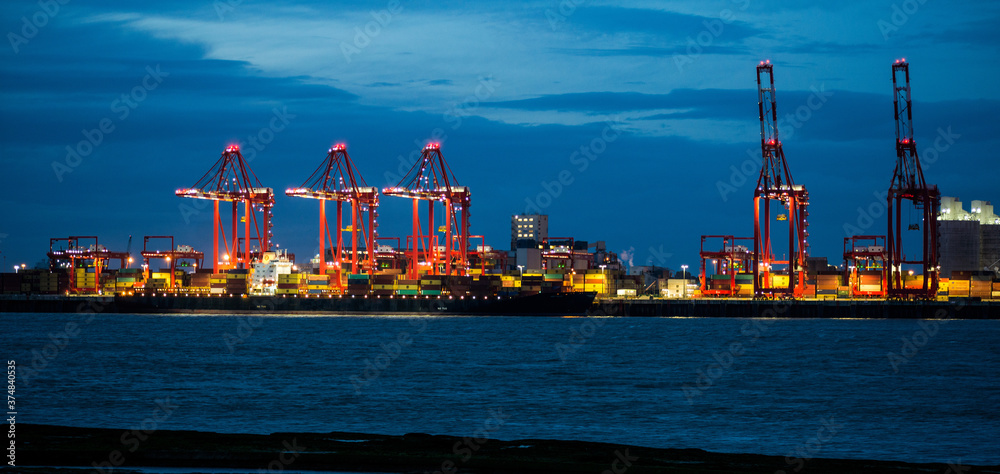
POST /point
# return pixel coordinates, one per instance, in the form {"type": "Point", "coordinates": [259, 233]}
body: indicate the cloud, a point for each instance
{"type": "Point", "coordinates": [664, 52]}
{"type": "Point", "coordinates": [661, 24]}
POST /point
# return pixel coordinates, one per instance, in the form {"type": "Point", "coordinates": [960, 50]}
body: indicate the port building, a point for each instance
{"type": "Point", "coordinates": [970, 239]}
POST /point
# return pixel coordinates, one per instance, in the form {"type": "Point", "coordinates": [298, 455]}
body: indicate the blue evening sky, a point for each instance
{"type": "Point", "coordinates": [661, 97]}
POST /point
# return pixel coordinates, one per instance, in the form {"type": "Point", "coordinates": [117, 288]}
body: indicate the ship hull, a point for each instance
{"type": "Point", "coordinates": [542, 304]}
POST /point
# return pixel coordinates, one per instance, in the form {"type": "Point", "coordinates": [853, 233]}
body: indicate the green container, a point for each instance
{"type": "Point", "coordinates": [430, 292]}
{"type": "Point", "coordinates": [357, 277]}
{"type": "Point", "coordinates": [410, 292]}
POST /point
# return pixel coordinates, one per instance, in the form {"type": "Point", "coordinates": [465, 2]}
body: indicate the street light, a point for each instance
{"type": "Point", "coordinates": [520, 269]}
{"type": "Point", "coordinates": [684, 269]}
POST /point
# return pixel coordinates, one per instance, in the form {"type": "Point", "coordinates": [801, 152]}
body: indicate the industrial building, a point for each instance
{"type": "Point", "coordinates": [970, 240]}
{"type": "Point", "coordinates": [528, 227]}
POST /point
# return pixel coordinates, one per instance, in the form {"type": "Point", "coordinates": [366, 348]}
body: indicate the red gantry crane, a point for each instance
{"type": "Point", "coordinates": [337, 179]}
{"type": "Point", "coordinates": [430, 179]}
{"type": "Point", "coordinates": [77, 251]}
{"type": "Point", "coordinates": [732, 260]}
{"type": "Point", "coordinates": [908, 184]}
{"type": "Point", "coordinates": [865, 264]}
{"type": "Point", "coordinates": [775, 183]}
{"type": "Point", "coordinates": [231, 179]}
{"type": "Point", "coordinates": [172, 255]}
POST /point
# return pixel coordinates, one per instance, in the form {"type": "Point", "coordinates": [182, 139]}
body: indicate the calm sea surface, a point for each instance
{"type": "Point", "coordinates": [892, 390]}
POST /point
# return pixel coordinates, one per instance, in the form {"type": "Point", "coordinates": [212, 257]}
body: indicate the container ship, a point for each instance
{"type": "Point", "coordinates": [275, 285]}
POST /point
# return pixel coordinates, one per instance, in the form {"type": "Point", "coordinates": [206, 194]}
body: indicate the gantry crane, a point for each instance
{"type": "Point", "coordinates": [908, 184]}
{"type": "Point", "coordinates": [76, 251]}
{"type": "Point", "coordinates": [337, 179]}
{"type": "Point", "coordinates": [231, 179]}
{"type": "Point", "coordinates": [172, 255]}
{"type": "Point", "coordinates": [731, 260]}
{"type": "Point", "coordinates": [775, 183]}
{"type": "Point", "coordinates": [430, 179]}
{"type": "Point", "coordinates": [864, 256]}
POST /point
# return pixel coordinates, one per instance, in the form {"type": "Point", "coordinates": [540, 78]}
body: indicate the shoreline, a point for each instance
{"type": "Point", "coordinates": [546, 305]}
{"type": "Point", "coordinates": [116, 450]}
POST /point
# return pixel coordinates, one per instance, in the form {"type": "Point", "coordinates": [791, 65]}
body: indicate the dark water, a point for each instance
{"type": "Point", "coordinates": [803, 388]}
